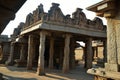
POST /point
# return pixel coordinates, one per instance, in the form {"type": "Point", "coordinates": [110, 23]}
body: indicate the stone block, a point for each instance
{"type": "Point", "coordinates": [111, 67]}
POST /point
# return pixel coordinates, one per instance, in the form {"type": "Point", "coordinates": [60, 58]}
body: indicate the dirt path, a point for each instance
{"type": "Point", "coordinates": [14, 73]}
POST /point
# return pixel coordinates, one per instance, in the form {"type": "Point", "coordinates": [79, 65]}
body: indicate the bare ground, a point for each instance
{"type": "Point", "coordinates": [14, 73]}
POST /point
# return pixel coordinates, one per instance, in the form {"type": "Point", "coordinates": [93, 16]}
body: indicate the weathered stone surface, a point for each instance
{"type": "Point", "coordinates": [41, 68]}
{"type": "Point", "coordinates": [37, 14]}
{"type": "Point", "coordinates": [4, 48]}
{"type": "Point", "coordinates": [29, 19]}
{"type": "Point", "coordinates": [30, 52]}
{"type": "Point", "coordinates": [117, 26]}
{"type": "Point", "coordinates": [55, 13]}
{"type": "Point", "coordinates": [72, 53]}
{"type": "Point", "coordinates": [70, 29]}
{"type": "Point", "coordinates": [22, 52]}
{"type": "Point", "coordinates": [10, 60]}
{"type": "Point", "coordinates": [55, 16]}
{"type": "Point", "coordinates": [98, 23]}
{"type": "Point", "coordinates": [51, 64]}
{"type": "Point", "coordinates": [100, 78]}
{"type": "Point", "coordinates": [66, 53]}
{"type": "Point", "coordinates": [105, 50]}
{"type": "Point", "coordinates": [111, 67]}
{"type": "Point", "coordinates": [17, 31]}
{"type": "Point", "coordinates": [112, 14]}
{"type": "Point", "coordinates": [111, 43]}
{"type": "Point", "coordinates": [5, 51]}
{"type": "Point", "coordinates": [79, 17]}
{"type": "Point", "coordinates": [89, 53]}
{"type": "Point", "coordinates": [101, 74]}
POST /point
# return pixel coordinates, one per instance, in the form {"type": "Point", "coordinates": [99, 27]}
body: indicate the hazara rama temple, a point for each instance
{"type": "Point", "coordinates": [48, 40]}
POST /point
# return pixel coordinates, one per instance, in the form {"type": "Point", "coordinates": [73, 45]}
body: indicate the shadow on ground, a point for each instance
{"type": "Point", "coordinates": [21, 73]}
{"type": "Point", "coordinates": [6, 77]}
{"type": "Point", "coordinates": [77, 74]}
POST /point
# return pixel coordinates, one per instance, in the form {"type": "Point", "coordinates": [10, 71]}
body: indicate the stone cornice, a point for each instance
{"type": "Point", "coordinates": [105, 8]}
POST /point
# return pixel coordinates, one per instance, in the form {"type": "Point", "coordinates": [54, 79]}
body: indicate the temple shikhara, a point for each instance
{"type": "Point", "coordinates": [48, 40]}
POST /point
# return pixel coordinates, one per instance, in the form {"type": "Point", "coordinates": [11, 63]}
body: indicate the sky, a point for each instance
{"type": "Point", "coordinates": [67, 7]}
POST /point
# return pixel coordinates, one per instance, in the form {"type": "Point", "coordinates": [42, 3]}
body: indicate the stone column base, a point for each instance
{"type": "Point", "coordinates": [9, 63]}
{"type": "Point", "coordinates": [4, 59]}
{"type": "Point", "coordinates": [111, 67]}
{"type": "Point", "coordinates": [40, 71]}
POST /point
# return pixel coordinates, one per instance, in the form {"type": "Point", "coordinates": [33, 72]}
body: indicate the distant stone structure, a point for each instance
{"type": "Point", "coordinates": [49, 39]}
{"type": "Point", "coordinates": [4, 48]}
{"type": "Point", "coordinates": [110, 10]}
{"type": "Point", "coordinates": [14, 45]}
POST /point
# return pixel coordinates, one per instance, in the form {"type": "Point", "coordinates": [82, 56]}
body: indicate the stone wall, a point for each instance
{"type": "Point", "coordinates": [114, 40]}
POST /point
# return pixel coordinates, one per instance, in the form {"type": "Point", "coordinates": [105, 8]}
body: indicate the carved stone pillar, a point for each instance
{"type": "Point", "coordinates": [113, 45]}
{"type": "Point", "coordinates": [30, 52]}
{"type": "Point", "coordinates": [105, 50]}
{"type": "Point", "coordinates": [85, 55]}
{"type": "Point", "coordinates": [22, 61]}
{"type": "Point", "coordinates": [89, 53]}
{"type": "Point", "coordinates": [1, 51]}
{"type": "Point", "coordinates": [93, 49]}
{"type": "Point", "coordinates": [97, 51]}
{"type": "Point", "coordinates": [51, 53]}
{"type": "Point", "coordinates": [41, 70]}
{"type": "Point", "coordinates": [72, 54]}
{"type": "Point", "coordinates": [61, 57]}
{"type": "Point", "coordinates": [66, 53]}
{"type": "Point", "coordinates": [22, 52]}
{"type": "Point", "coordinates": [10, 60]}
{"type": "Point", "coordinates": [4, 52]}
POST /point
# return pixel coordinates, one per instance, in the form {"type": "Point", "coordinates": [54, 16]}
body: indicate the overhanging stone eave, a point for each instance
{"type": "Point", "coordinates": [94, 7]}
{"type": "Point", "coordinates": [67, 29]}
{"type": "Point", "coordinates": [30, 29]}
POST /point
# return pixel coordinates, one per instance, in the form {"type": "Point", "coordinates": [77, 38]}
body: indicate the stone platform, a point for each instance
{"type": "Point", "coordinates": [101, 73]}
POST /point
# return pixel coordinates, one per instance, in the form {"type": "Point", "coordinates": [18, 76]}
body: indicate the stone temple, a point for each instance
{"type": "Point", "coordinates": [110, 9]}
{"type": "Point", "coordinates": [48, 39]}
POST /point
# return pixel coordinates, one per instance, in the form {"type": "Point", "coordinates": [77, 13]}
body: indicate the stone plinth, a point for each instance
{"type": "Point", "coordinates": [101, 74]}
{"type": "Point", "coordinates": [111, 67]}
